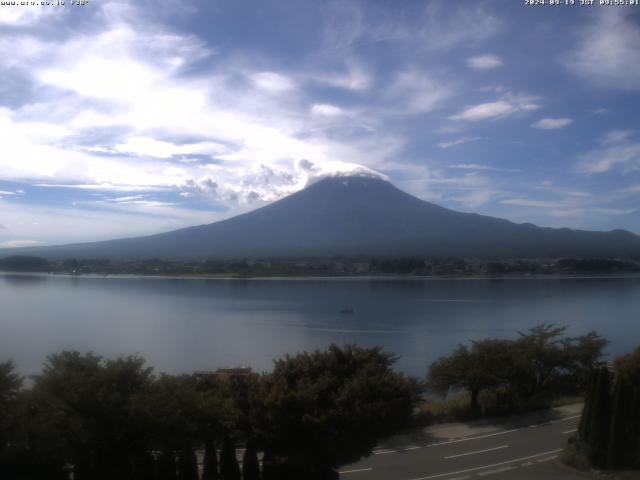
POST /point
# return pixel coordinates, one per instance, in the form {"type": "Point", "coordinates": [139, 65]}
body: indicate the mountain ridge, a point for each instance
{"type": "Point", "coordinates": [350, 216]}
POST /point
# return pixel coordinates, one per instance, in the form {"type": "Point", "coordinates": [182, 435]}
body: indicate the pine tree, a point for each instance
{"type": "Point", "coordinates": [587, 411]}
{"type": "Point", "coordinates": [187, 464]}
{"type": "Point", "coordinates": [250, 465]}
{"type": "Point", "coordinates": [599, 429]}
{"type": "Point", "coordinates": [619, 418]}
{"type": "Point", "coordinates": [210, 468]}
{"type": "Point", "coordinates": [167, 465]}
{"type": "Point", "coordinates": [229, 469]}
{"type": "Point", "coordinates": [633, 451]}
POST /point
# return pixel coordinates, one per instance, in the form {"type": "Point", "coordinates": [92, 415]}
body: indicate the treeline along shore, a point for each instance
{"type": "Point", "coordinates": [90, 418]}
{"type": "Point", "coordinates": [334, 266]}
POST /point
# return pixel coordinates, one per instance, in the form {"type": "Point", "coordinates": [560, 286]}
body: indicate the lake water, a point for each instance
{"type": "Point", "coordinates": [182, 325]}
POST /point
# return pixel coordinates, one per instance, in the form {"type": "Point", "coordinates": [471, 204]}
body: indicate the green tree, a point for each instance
{"type": "Point", "coordinates": [81, 409]}
{"type": "Point", "coordinates": [584, 355]}
{"type": "Point", "coordinates": [10, 388]}
{"type": "Point", "coordinates": [187, 463]}
{"type": "Point", "coordinates": [540, 362]}
{"type": "Point", "coordinates": [628, 368]}
{"type": "Point", "coordinates": [229, 469]}
{"type": "Point", "coordinates": [485, 365]}
{"type": "Point", "coordinates": [600, 417]}
{"type": "Point", "coordinates": [250, 465]}
{"type": "Point", "coordinates": [540, 353]}
{"type": "Point", "coordinates": [618, 433]}
{"type": "Point", "coordinates": [546, 362]}
{"type": "Point", "coordinates": [328, 408]}
{"type": "Point", "coordinates": [210, 463]}
{"type": "Point", "coordinates": [584, 428]}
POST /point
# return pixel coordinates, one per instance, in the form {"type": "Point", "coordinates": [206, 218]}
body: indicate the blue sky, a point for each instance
{"type": "Point", "coordinates": [123, 118]}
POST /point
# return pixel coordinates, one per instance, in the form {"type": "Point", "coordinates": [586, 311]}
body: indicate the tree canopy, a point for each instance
{"type": "Point", "coordinates": [329, 408]}
{"type": "Point", "coordinates": [537, 362]}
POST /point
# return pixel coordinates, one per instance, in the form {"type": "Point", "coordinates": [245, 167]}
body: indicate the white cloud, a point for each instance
{"type": "Point", "coordinates": [326, 110]}
{"type": "Point", "coordinates": [96, 221]}
{"type": "Point", "coordinates": [477, 166]}
{"type": "Point", "coordinates": [439, 25]}
{"type": "Point", "coordinates": [611, 57]}
{"type": "Point", "coordinates": [471, 190]}
{"type": "Point", "coordinates": [130, 80]}
{"type": "Point", "coordinates": [623, 157]}
{"type": "Point", "coordinates": [162, 149]}
{"type": "Point", "coordinates": [459, 141]}
{"type": "Point", "coordinates": [525, 202]}
{"type": "Point", "coordinates": [419, 91]}
{"type": "Point", "coordinates": [618, 152]}
{"type": "Point", "coordinates": [272, 82]}
{"type": "Point", "coordinates": [505, 107]}
{"type": "Point", "coordinates": [353, 76]}
{"type": "Point", "coordinates": [552, 123]}
{"type": "Point", "coordinates": [444, 28]}
{"type": "Point", "coordinates": [27, 15]}
{"type": "Point", "coordinates": [20, 243]}
{"type": "Point", "coordinates": [616, 136]}
{"type": "Point", "coordinates": [484, 62]}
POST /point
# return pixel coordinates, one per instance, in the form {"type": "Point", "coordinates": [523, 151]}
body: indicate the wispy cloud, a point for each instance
{"type": "Point", "coordinates": [272, 82]}
{"type": "Point", "coordinates": [614, 137]}
{"type": "Point", "coordinates": [326, 110]}
{"type": "Point", "coordinates": [618, 151]}
{"type": "Point", "coordinates": [139, 112]}
{"type": "Point", "coordinates": [611, 60]}
{"type": "Point", "coordinates": [505, 107]}
{"type": "Point", "coordinates": [436, 26]}
{"type": "Point", "coordinates": [478, 166]}
{"type": "Point", "coordinates": [527, 202]}
{"type": "Point", "coordinates": [27, 14]}
{"type": "Point", "coordinates": [458, 141]}
{"type": "Point", "coordinates": [419, 91]}
{"type": "Point", "coordinates": [20, 243]}
{"type": "Point", "coordinates": [624, 157]}
{"type": "Point", "coordinates": [484, 62]}
{"type": "Point", "coordinates": [552, 123]}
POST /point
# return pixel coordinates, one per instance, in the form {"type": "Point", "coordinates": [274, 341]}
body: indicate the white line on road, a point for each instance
{"type": "Point", "coordinates": [439, 475]}
{"type": "Point", "coordinates": [355, 471]}
{"type": "Point", "coordinates": [479, 437]}
{"type": "Point", "coordinates": [569, 418]}
{"type": "Point", "coordinates": [413, 448]}
{"type": "Point", "coordinates": [497, 470]}
{"type": "Point", "coordinates": [504, 432]}
{"type": "Point", "coordinates": [547, 459]}
{"type": "Point", "coordinates": [567, 432]}
{"type": "Point", "coordinates": [477, 451]}
{"type": "Point", "coordinates": [382, 452]}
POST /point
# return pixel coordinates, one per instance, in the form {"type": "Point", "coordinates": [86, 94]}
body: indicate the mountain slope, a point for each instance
{"type": "Point", "coordinates": [355, 216]}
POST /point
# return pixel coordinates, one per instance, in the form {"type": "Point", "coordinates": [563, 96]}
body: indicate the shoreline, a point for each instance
{"type": "Point", "coordinates": [389, 277]}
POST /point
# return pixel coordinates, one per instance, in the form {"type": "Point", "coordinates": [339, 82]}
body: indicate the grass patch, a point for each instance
{"type": "Point", "coordinates": [457, 408]}
{"type": "Point", "coordinates": [574, 458]}
{"type": "Point", "coordinates": [440, 411]}
{"type": "Point", "coordinates": [566, 400]}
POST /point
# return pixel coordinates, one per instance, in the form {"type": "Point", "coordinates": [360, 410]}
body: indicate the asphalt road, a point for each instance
{"type": "Point", "coordinates": [516, 450]}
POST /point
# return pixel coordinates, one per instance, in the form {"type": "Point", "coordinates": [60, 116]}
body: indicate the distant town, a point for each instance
{"type": "Point", "coordinates": [338, 266]}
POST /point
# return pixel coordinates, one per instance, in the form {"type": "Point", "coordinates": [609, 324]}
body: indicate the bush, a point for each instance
{"type": "Point", "coordinates": [573, 457]}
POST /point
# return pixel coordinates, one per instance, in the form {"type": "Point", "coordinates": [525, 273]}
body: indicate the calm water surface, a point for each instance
{"type": "Point", "coordinates": [181, 325]}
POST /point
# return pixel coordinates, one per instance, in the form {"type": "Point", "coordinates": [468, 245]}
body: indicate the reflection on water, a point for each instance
{"type": "Point", "coordinates": [22, 280]}
{"type": "Point", "coordinates": [184, 325]}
